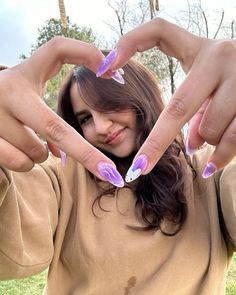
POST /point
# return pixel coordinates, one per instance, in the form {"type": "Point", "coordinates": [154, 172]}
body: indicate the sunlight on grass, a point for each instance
{"type": "Point", "coordinates": [30, 286]}
{"type": "Point", "coordinates": [231, 278]}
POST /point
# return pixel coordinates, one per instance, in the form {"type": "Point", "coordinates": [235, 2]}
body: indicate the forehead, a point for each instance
{"type": "Point", "coordinates": [76, 100]}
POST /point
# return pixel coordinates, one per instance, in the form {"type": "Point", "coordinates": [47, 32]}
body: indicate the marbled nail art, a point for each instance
{"type": "Point", "coordinates": [137, 168]}
{"type": "Point", "coordinates": [109, 172]}
{"type": "Point", "coordinates": [107, 63]}
{"type": "Point", "coordinates": [209, 170]}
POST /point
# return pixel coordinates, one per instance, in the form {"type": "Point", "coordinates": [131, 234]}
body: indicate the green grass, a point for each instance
{"type": "Point", "coordinates": [30, 286]}
{"type": "Point", "coordinates": [231, 278]}
{"type": "Point", "coordinates": [34, 285]}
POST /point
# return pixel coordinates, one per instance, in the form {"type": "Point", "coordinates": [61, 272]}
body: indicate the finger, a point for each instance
{"type": "Point", "coordinates": [194, 139]}
{"type": "Point", "coordinates": [224, 152]}
{"type": "Point", "coordinates": [62, 135]}
{"type": "Point", "coordinates": [53, 54]}
{"type": "Point", "coordinates": [33, 112]}
{"type": "Point", "coordinates": [13, 159]}
{"type": "Point", "coordinates": [185, 102]}
{"type": "Point", "coordinates": [54, 150]}
{"type": "Point", "coordinates": [23, 138]}
{"type": "Point", "coordinates": [169, 38]}
{"type": "Point", "coordinates": [219, 113]}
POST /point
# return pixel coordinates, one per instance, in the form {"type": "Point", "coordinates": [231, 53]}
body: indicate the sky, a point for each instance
{"type": "Point", "coordinates": [21, 19]}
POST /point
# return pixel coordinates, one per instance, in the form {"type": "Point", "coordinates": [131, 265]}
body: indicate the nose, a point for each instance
{"type": "Point", "coordinates": [102, 123]}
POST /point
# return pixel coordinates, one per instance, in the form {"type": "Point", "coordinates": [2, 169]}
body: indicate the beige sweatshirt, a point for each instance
{"type": "Point", "coordinates": [46, 221]}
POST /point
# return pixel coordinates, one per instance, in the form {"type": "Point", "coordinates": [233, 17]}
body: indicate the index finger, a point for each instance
{"type": "Point", "coordinates": [185, 102]}
{"type": "Point", "coordinates": [21, 90]}
{"type": "Point", "coordinates": [55, 130]}
{"type": "Point", "coordinates": [169, 38]}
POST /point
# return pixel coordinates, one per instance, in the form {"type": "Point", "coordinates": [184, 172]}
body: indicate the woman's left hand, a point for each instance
{"type": "Point", "coordinates": [207, 94]}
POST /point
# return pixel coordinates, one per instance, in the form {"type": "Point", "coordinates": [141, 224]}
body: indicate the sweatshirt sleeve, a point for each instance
{"type": "Point", "coordinates": [227, 194]}
{"type": "Point", "coordinates": [29, 205]}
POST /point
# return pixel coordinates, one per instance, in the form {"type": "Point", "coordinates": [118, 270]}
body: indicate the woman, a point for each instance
{"type": "Point", "coordinates": [168, 232]}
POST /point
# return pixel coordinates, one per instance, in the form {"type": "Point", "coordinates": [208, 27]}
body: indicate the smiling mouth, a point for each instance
{"type": "Point", "coordinates": [114, 138]}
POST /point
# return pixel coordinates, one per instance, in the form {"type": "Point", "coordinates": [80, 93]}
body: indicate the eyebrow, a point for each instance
{"type": "Point", "coordinates": [77, 114]}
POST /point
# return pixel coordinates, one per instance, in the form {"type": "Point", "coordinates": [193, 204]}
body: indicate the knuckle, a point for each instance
{"type": "Point", "coordinates": [225, 48]}
{"type": "Point", "coordinates": [176, 109]}
{"type": "Point", "coordinates": [155, 147]}
{"type": "Point", "coordinates": [230, 137]}
{"type": "Point", "coordinates": [38, 152]}
{"type": "Point", "coordinates": [209, 134]}
{"type": "Point", "coordinates": [87, 158]}
{"type": "Point", "coordinates": [56, 130]}
{"type": "Point", "coordinates": [56, 40]}
{"type": "Point", "coordinates": [19, 163]}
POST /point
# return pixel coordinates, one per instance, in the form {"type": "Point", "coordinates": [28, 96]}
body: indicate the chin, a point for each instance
{"type": "Point", "coordinates": [122, 153]}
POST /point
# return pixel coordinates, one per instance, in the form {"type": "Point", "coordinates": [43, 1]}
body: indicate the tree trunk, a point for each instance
{"type": "Point", "coordinates": [62, 13]}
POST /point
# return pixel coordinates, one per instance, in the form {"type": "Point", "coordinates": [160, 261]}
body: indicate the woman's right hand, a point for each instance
{"type": "Point", "coordinates": [23, 113]}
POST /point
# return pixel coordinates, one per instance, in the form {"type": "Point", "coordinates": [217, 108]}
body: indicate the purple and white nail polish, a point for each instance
{"type": "Point", "coordinates": [189, 151]}
{"type": "Point", "coordinates": [63, 158]}
{"type": "Point", "coordinates": [209, 170]}
{"type": "Point", "coordinates": [137, 168]}
{"type": "Point", "coordinates": [116, 76]}
{"type": "Point", "coordinates": [107, 62]}
{"type": "Point", "coordinates": [109, 172]}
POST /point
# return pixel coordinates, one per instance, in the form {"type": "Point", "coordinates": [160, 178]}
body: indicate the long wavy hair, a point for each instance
{"type": "Point", "coordinates": [160, 195]}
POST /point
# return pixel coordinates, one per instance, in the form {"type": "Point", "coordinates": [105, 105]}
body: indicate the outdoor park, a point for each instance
{"type": "Point", "coordinates": [127, 15]}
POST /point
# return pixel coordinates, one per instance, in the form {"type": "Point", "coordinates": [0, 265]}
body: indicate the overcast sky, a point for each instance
{"type": "Point", "coordinates": [20, 20]}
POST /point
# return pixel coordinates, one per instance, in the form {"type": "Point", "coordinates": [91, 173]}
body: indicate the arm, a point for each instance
{"type": "Point", "coordinates": [227, 197]}
{"type": "Point", "coordinates": [29, 205]}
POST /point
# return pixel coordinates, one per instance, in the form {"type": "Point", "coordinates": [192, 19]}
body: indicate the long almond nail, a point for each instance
{"type": "Point", "coordinates": [108, 172]}
{"type": "Point", "coordinates": [116, 76]}
{"type": "Point", "coordinates": [209, 170]}
{"type": "Point", "coordinates": [137, 168]}
{"type": "Point", "coordinates": [63, 158]}
{"type": "Point", "coordinates": [107, 62]}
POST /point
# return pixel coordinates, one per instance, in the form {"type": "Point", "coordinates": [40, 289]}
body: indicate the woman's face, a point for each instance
{"type": "Point", "coordinates": [113, 132]}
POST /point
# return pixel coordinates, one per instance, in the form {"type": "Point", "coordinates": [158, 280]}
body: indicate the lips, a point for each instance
{"type": "Point", "coordinates": [112, 138]}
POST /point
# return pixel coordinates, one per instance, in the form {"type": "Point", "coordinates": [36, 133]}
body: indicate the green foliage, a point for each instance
{"type": "Point", "coordinates": [54, 85]}
{"type": "Point", "coordinates": [52, 28]}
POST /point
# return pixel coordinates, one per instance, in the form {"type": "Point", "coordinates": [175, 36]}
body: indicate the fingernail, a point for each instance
{"type": "Point", "coordinates": [63, 158]}
{"type": "Point", "coordinates": [209, 170]}
{"type": "Point", "coordinates": [116, 76]}
{"type": "Point", "coordinates": [189, 151]}
{"type": "Point", "coordinates": [137, 168]}
{"type": "Point", "coordinates": [108, 172]}
{"type": "Point", "coordinates": [121, 71]}
{"type": "Point", "coordinates": [107, 62]}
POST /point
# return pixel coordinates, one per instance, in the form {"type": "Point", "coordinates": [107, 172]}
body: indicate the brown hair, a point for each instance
{"type": "Point", "coordinates": [160, 194]}
{"type": "Point", "coordinates": [3, 67]}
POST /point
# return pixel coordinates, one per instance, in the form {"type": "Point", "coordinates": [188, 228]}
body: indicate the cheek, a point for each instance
{"type": "Point", "coordinates": [88, 134]}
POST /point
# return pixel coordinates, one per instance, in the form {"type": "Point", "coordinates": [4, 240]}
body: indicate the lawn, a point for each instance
{"type": "Point", "coordinates": [34, 285]}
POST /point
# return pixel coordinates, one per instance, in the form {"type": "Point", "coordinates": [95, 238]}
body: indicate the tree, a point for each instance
{"type": "Point", "coordinates": [52, 28]}
{"type": "Point", "coordinates": [130, 15]}
{"type": "Point", "coordinates": [195, 18]}
{"type": "Point", "coordinates": [62, 10]}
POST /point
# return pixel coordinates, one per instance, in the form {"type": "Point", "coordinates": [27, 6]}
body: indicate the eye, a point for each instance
{"type": "Point", "coordinates": [84, 119]}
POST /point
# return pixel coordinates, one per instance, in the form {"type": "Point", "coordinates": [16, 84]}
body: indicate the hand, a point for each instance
{"type": "Point", "coordinates": [23, 113]}
{"type": "Point", "coordinates": [207, 93]}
